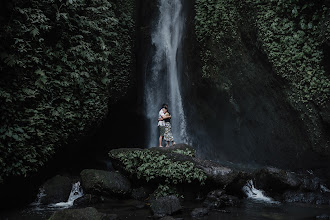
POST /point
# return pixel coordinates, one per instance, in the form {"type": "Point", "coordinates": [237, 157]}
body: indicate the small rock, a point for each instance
{"type": "Point", "coordinates": [165, 205]}
{"type": "Point", "coordinates": [56, 189]}
{"type": "Point", "coordinates": [199, 212]}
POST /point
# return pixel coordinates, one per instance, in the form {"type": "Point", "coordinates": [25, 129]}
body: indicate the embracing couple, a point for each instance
{"type": "Point", "coordinates": [164, 126]}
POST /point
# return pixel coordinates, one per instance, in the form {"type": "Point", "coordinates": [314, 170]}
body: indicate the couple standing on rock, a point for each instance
{"type": "Point", "coordinates": [164, 125]}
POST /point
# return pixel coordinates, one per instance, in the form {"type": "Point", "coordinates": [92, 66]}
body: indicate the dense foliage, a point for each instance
{"type": "Point", "coordinates": [153, 165]}
{"type": "Point", "coordinates": [291, 34]}
{"type": "Point", "coordinates": [60, 63]}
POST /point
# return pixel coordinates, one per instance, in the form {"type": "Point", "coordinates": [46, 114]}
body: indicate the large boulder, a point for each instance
{"type": "Point", "coordinates": [274, 180]}
{"type": "Point", "coordinates": [56, 189]}
{"type": "Point", "coordinates": [102, 182]}
{"type": "Point", "coordinates": [166, 205]}
{"type": "Point", "coordinates": [185, 167]}
{"type": "Point", "coordinates": [81, 214]}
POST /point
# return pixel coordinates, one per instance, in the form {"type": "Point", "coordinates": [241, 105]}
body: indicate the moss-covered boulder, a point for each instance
{"type": "Point", "coordinates": [101, 182]}
{"type": "Point", "coordinates": [175, 166]}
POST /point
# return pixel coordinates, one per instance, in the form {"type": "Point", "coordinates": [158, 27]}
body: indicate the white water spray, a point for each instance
{"type": "Point", "coordinates": [76, 192]}
{"type": "Point", "coordinates": [163, 81]}
{"type": "Point", "coordinates": [256, 194]}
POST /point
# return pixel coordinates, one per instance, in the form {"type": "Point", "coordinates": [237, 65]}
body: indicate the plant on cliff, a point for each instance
{"type": "Point", "coordinates": [59, 62]}
{"type": "Point", "coordinates": [153, 165]}
{"type": "Point", "coordinates": [291, 34]}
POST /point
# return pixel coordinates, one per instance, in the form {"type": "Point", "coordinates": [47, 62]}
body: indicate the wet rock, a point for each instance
{"type": "Point", "coordinates": [199, 212]}
{"type": "Point", "coordinates": [310, 184]}
{"type": "Point", "coordinates": [217, 199]}
{"type": "Point", "coordinates": [168, 218]}
{"type": "Point", "coordinates": [86, 200]}
{"type": "Point", "coordinates": [106, 183]}
{"type": "Point", "coordinates": [141, 193]}
{"type": "Point", "coordinates": [81, 214]}
{"type": "Point", "coordinates": [166, 205]}
{"type": "Point", "coordinates": [276, 180]}
{"type": "Point", "coordinates": [324, 216]}
{"type": "Point", "coordinates": [307, 197]}
{"type": "Point", "coordinates": [56, 189]}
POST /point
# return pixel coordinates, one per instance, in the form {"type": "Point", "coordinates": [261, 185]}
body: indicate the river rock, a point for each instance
{"type": "Point", "coordinates": [86, 200]}
{"type": "Point", "coordinates": [81, 214]}
{"type": "Point", "coordinates": [317, 198]}
{"type": "Point", "coordinates": [217, 199]}
{"type": "Point", "coordinates": [106, 183]}
{"type": "Point", "coordinates": [199, 212]}
{"type": "Point", "coordinates": [274, 180]}
{"type": "Point", "coordinates": [56, 189]}
{"type": "Point", "coordinates": [140, 193]}
{"type": "Point", "coordinates": [166, 205]}
{"type": "Point", "coordinates": [167, 218]}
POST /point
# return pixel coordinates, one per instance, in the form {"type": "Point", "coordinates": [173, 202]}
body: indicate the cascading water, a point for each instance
{"type": "Point", "coordinates": [76, 192]}
{"type": "Point", "coordinates": [256, 194]}
{"type": "Point", "coordinates": [162, 84]}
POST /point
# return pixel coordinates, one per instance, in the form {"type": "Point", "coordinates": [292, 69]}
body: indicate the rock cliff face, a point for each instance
{"type": "Point", "coordinates": [259, 81]}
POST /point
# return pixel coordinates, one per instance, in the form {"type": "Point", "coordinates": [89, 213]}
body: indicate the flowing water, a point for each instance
{"type": "Point", "coordinates": [256, 194]}
{"type": "Point", "coordinates": [162, 82]}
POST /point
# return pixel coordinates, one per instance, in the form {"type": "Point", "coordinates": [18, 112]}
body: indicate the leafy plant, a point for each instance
{"type": "Point", "coordinates": [62, 63]}
{"type": "Point", "coordinates": [153, 165]}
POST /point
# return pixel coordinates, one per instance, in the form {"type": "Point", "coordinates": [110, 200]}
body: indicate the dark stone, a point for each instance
{"type": "Point", "coordinates": [168, 218]}
{"type": "Point", "coordinates": [276, 180]}
{"type": "Point", "coordinates": [324, 216]}
{"type": "Point", "coordinates": [166, 205]}
{"type": "Point", "coordinates": [310, 184]}
{"type": "Point", "coordinates": [199, 212]}
{"type": "Point", "coordinates": [106, 183]}
{"type": "Point", "coordinates": [110, 217]}
{"type": "Point", "coordinates": [56, 189]}
{"type": "Point", "coordinates": [307, 197]}
{"type": "Point", "coordinates": [79, 214]}
{"type": "Point", "coordinates": [141, 193]}
{"type": "Point", "coordinates": [86, 200]}
{"type": "Point", "coordinates": [217, 199]}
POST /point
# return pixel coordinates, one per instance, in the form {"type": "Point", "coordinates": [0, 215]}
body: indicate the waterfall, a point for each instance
{"type": "Point", "coordinates": [162, 82]}
{"type": "Point", "coordinates": [256, 194]}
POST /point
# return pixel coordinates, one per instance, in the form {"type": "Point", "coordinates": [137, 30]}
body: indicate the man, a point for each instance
{"type": "Point", "coordinates": [161, 123]}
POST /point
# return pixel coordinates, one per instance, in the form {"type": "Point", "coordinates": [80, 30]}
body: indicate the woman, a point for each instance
{"type": "Point", "coordinates": [168, 136]}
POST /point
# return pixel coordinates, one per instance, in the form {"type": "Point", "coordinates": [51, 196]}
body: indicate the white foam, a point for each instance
{"type": "Point", "coordinates": [76, 192]}
{"type": "Point", "coordinates": [256, 194]}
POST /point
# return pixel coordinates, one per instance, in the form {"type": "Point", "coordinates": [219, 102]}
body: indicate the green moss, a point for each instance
{"type": "Point", "coordinates": [59, 64]}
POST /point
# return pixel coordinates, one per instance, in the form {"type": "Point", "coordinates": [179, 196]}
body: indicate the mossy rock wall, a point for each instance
{"type": "Point", "coordinates": [264, 62]}
{"type": "Point", "coordinates": [62, 64]}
